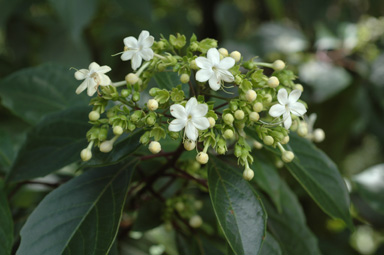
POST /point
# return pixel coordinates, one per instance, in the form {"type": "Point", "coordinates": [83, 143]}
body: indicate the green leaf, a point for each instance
{"type": "Point", "coordinates": [80, 217]}
{"type": "Point", "coordinates": [289, 227]}
{"type": "Point", "coordinates": [51, 145]}
{"type": "Point", "coordinates": [318, 175]}
{"type": "Point", "coordinates": [197, 244]}
{"type": "Point", "coordinates": [148, 216]}
{"type": "Point", "coordinates": [270, 246]}
{"type": "Point", "coordinates": [6, 225]}
{"type": "Point", "coordinates": [237, 206]}
{"type": "Point", "coordinates": [370, 186]}
{"type": "Point", "coordinates": [169, 80]}
{"type": "Point", "coordinates": [34, 92]}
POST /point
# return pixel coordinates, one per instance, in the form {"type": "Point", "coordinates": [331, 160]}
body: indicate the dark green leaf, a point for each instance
{"type": "Point", "coordinates": [197, 244]}
{"type": "Point", "coordinates": [80, 217]}
{"type": "Point", "coordinates": [6, 225]}
{"type": "Point", "coordinates": [169, 80]}
{"type": "Point", "coordinates": [270, 246]}
{"type": "Point", "coordinates": [52, 144]}
{"type": "Point", "coordinates": [37, 91]}
{"type": "Point", "coordinates": [148, 216]}
{"type": "Point", "coordinates": [319, 176]}
{"type": "Point", "coordinates": [237, 207]}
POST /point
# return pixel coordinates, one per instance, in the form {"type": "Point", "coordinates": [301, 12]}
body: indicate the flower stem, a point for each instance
{"type": "Point", "coordinates": [142, 68]}
{"type": "Point", "coordinates": [119, 83]}
{"type": "Point", "coordinates": [263, 64]}
{"type": "Point", "coordinates": [159, 56]}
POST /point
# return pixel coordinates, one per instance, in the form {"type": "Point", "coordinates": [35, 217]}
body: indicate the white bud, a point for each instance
{"type": "Point", "coordinates": [236, 55]}
{"type": "Point", "coordinates": [318, 135]}
{"type": "Point", "coordinates": [254, 116]}
{"type": "Point", "coordinates": [189, 145]}
{"type": "Point", "coordinates": [184, 78]}
{"type": "Point", "coordinates": [278, 65]}
{"type": "Point", "coordinates": [257, 145]}
{"type": "Point", "coordinates": [212, 122]}
{"type": "Point", "coordinates": [228, 134]}
{"type": "Point", "coordinates": [93, 116]}
{"type": "Point", "coordinates": [285, 140]}
{"type": "Point", "coordinates": [302, 130]}
{"type": "Point", "coordinates": [193, 65]}
{"type": "Point", "coordinates": [131, 78]}
{"type": "Point", "coordinates": [106, 146]}
{"type": "Point", "coordinates": [195, 221]}
{"type": "Point", "coordinates": [258, 107]}
{"type": "Point", "coordinates": [154, 147]}
{"type": "Point", "coordinates": [248, 174]}
{"type": "Point", "coordinates": [117, 130]}
{"type": "Point", "coordinates": [198, 204]}
{"type": "Point", "coordinates": [273, 82]}
{"type": "Point", "coordinates": [279, 163]}
{"type": "Point", "coordinates": [228, 119]}
{"type": "Point", "coordinates": [299, 87]}
{"type": "Point", "coordinates": [202, 158]}
{"type": "Point", "coordinates": [223, 52]}
{"type": "Point", "coordinates": [86, 154]}
{"type": "Point", "coordinates": [251, 95]}
{"type": "Point", "coordinates": [152, 104]}
{"type": "Point", "coordinates": [268, 140]}
{"type": "Point", "coordinates": [239, 114]}
{"type": "Point", "coordinates": [287, 156]}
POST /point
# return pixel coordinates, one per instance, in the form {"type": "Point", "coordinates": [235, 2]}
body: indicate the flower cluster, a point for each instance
{"type": "Point", "coordinates": [202, 109]}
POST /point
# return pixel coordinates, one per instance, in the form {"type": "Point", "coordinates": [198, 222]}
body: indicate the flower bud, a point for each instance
{"type": "Point", "coordinates": [238, 79]}
{"type": "Point", "coordinates": [136, 96]}
{"type": "Point", "coordinates": [278, 65]}
{"type": "Point", "coordinates": [250, 95]}
{"type": "Point", "coordinates": [287, 156]}
{"type": "Point", "coordinates": [131, 78]}
{"type": "Point", "coordinates": [257, 145]}
{"type": "Point", "coordinates": [136, 116]}
{"type": "Point", "coordinates": [189, 145]}
{"type": "Point", "coordinates": [268, 98]}
{"type": "Point", "coordinates": [228, 134]}
{"type": "Point", "coordinates": [193, 65]}
{"type": "Point", "coordinates": [179, 206]}
{"type": "Point", "coordinates": [285, 140]}
{"type": "Point", "coordinates": [174, 135]}
{"type": "Point", "coordinates": [106, 146]}
{"type": "Point", "coordinates": [223, 52]}
{"type": "Point", "coordinates": [239, 114]}
{"type": "Point", "coordinates": [117, 130]}
{"type": "Point", "coordinates": [268, 140]}
{"type": "Point", "coordinates": [233, 106]}
{"type": "Point", "coordinates": [273, 82]}
{"type": "Point", "coordinates": [152, 104]}
{"type": "Point", "coordinates": [302, 130]}
{"type": "Point", "coordinates": [228, 119]}
{"type": "Point", "coordinates": [254, 116]}
{"type": "Point", "coordinates": [161, 67]}
{"type": "Point", "coordinates": [125, 92]}
{"type": "Point", "coordinates": [154, 147]}
{"type": "Point", "coordinates": [221, 150]}
{"type": "Point", "coordinates": [93, 116]}
{"type": "Point", "coordinates": [151, 120]}
{"type": "Point", "coordinates": [198, 204]}
{"type": "Point", "coordinates": [248, 174]}
{"type": "Point", "coordinates": [258, 107]}
{"type": "Point", "coordinates": [195, 221]}
{"type": "Point", "coordinates": [318, 135]}
{"type": "Point", "coordinates": [131, 127]}
{"type": "Point", "coordinates": [103, 133]}
{"type": "Point", "coordinates": [236, 55]}
{"type": "Point", "coordinates": [184, 78]}
{"type": "Point", "coordinates": [212, 122]}
{"type": "Point", "coordinates": [279, 163]}
{"type": "Point", "coordinates": [86, 154]}
{"type": "Point", "coordinates": [153, 92]}
{"type": "Point", "coordinates": [299, 87]}
{"type": "Point", "coordinates": [202, 158]}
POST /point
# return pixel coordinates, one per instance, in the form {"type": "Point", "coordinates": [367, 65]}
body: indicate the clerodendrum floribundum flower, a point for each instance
{"type": "Point", "coordinates": [93, 78]}
{"type": "Point", "coordinates": [191, 118]}
{"type": "Point", "coordinates": [287, 105]}
{"type": "Point", "coordinates": [138, 49]}
{"type": "Point", "coordinates": [214, 70]}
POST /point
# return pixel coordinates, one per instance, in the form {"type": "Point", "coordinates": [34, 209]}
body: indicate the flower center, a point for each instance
{"type": "Point", "coordinates": [96, 78]}
{"type": "Point", "coordinates": [189, 117]}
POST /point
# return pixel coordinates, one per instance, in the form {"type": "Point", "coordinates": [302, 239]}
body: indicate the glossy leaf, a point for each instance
{"type": "Point", "coordinates": [52, 144]}
{"type": "Point", "coordinates": [237, 206]}
{"type": "Point", "coordinates": [318, 175]}
{"type": "Point", "coordinates": [270, 246]}
{"type": "Point", "coordinates": [80, 217]}
{"type": "Point", "coordinates": [6, 225]}
{"type": "Point", "coordinates": [169, 80]}
{"type": "Point", "coordinates": [197, 244]}
{"type": "Point", "coordinates": [34, 92]}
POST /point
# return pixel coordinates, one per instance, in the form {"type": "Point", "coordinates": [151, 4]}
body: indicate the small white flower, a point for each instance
{"type": "Point", "coordinates": [287, 105]}
{"type": "Point", "coordinates": [191, 118]}
{"type": "Point", "coordinates": [214, 70]}
{"type": "Point", "coordinates": [138, 49]}
{"type": "Point", "coordinates": [93, 77]}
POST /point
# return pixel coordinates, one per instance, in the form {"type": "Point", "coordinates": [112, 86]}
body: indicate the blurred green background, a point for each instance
{"type": "Point", "coordinates": [335, 47]}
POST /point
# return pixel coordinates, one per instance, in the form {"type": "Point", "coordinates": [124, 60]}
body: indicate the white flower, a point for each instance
{"type": "Point", "coordinates": [138, 49]}
{"type": "Point", "coordinates": [287, 105]}
{"type": "Point", "coordinates": [191, 118]}
{"type": "Point", "coordinates": [214, 70]}
{"type": "Point", "coordinates": [93, 78]}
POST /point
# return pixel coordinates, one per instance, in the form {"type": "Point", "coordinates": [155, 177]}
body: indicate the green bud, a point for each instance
{"type": "Point", "coordinates": [136, 116]}
{"type": "Point", "coordinates": [151, 120]}
{"type": "Point", "coordinates": [268, 140]}
{"type": "Point", "coordinates": [131, 127]}
{"type": "Point", "coordinates": [238, 79]}
{"type": "Point", "coordinates": [144, 139]}
{"type": "Point", "coordinates": [221, 150]}
{"type": "Point", "coordinates": [153, 91]}
{"type": "Point", "coordinates": [254, 116]}
{"type": "Point", "coordinates": [184, 78]}
{"type": "Point", "coordinates": [161, 67]}
{"type": "Point", "coordinates": [239, 114]}
{"type": "Point", "coordinates": [228, 134]}
{"type": "Point", "coordinates": [177, 41]}
{"type": "Point", "coordinates": [194, 46]}
{"type": "Point", "coordinates": [103, 134]}
{"type": "Point", "coordinates": [125, 92]}
{"type": "Point", "coordinates": [228, 119]}
{"type": "Point", "coordinates": [238, 151]}
{"type": "Point", "coordinates": [174, 135]}
{"type": "Point", "coordinates": [233, 106]}
{"type": "Point", "coordinates": [136, 96]}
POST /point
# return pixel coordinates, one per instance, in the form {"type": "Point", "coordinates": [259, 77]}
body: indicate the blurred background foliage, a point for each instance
{"type": "Point", "coordinates": [335, 47]}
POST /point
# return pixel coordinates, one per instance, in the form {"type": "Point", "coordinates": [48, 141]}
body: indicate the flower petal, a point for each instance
{"type": "Point", "coordinates": [214, 83]}
{"type": "Point", "coordinates": [176, 125]}
{"type": "Point", "coordinates": [298, 109]}
{"type": "Point", "coordinates": [104, 80]}
{"type": "Point", "coordinates": [93, 66]}
{"type": "Point", "coordinates": [91, 87]}
{"type": "Point", "coordinates": [127, 55]}
{"type": "Point", "coordinates": [226, 63]}
{"type": "Point", "coordinates": [81, 74]}
{"type": "Point", "coordinates": [277, 110]}
{"type": "Point", "coordinates": [282, 96]}
{"type": "Point", "coordinates": [191, 104]}
{"type": "Point", "coordinates": [204, 75]}
{"type": "Point", "coordinates": [294, 96]}
{"type": "Point", "coordinates": [226, 75]}
{"type": "Point", "coordinates": [143, 35]}
{"type": "Point", "coordinates": [199, 111]}
{"type": "Point", "coordinates": [131, 42]}
{"type": "Point", "coordinates": [147, 42]}
{"type": "Point", "coordinates": [191, 131]}
{"type": "Point", "coordinates": [178, 111]}
{"type": "Point", "coordinates": [203, 63]}
{"type": "Point", "coordinates": [200, 123]}
{"type": "Point", "coordinates": [214, 56]}
{"type": "Point", "coordinates": [136, 61]}
{"type": "Point", "coordinates": [146, 54]}
{"type": "Point", "coordinates": [82, 87]}
{"type": "Point", "coordinates": [103, 69]}
{"type": "Point", "coordinates": [287, 120]}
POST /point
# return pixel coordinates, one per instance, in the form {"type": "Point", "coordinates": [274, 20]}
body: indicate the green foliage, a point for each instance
{"type": "Point", "coordinates": [6, 224]}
